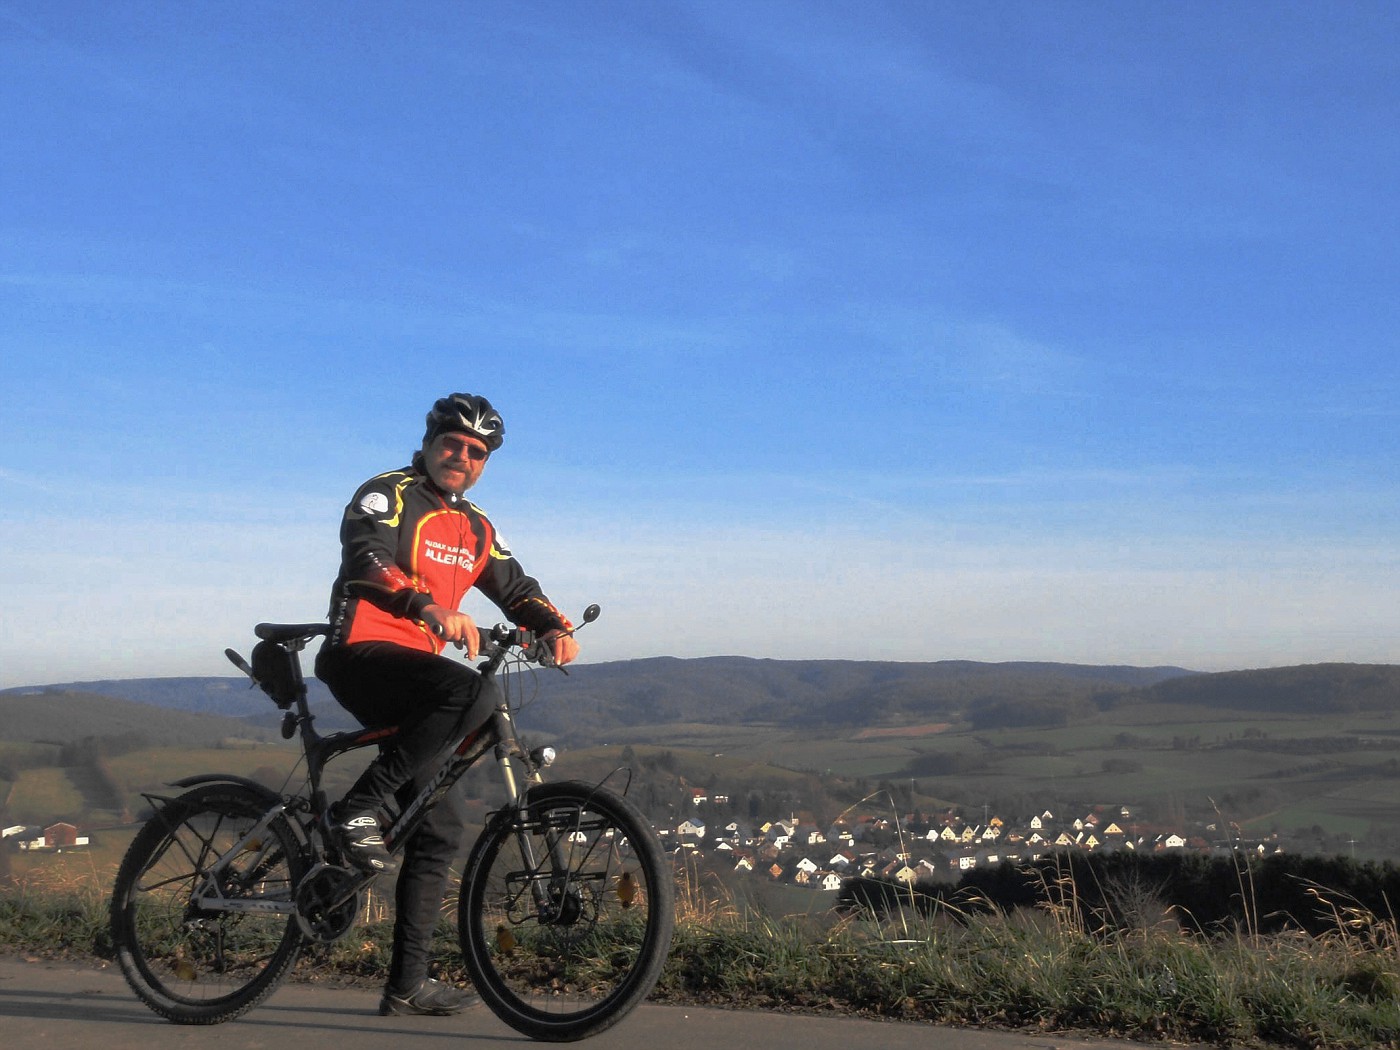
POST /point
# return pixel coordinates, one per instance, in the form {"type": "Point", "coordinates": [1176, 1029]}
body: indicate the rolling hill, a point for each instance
{"type": "Point", "coordinates": [67, 716]}
{"type": "Point", "coordinates": [1306, 689]}
{"type": "Point", "coordinates": [810, 694]}
{"type": "Point", "coordinates": [231, 700]}
{"type": "Point", "coordinates": [596, 699]}
{"type": "Point", "coordinates": [1313, 747]}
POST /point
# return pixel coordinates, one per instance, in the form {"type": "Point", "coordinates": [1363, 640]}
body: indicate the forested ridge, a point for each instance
{"type": "Point", "coordinates": [813, 694]}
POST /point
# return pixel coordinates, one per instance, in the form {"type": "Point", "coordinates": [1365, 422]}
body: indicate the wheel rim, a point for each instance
{"type": "Point", "coordinates": [559, 946]}
{"type": "Point", "coordinates": [196, 957]}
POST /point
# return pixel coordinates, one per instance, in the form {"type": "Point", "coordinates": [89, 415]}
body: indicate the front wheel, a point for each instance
{"type": "Point", "coordinates": [566, 912]}
{"type": "Point", "coordinates": [184, 956]}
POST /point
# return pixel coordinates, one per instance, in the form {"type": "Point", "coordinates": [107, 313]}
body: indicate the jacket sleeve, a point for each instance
{"type": "Point", "coordinates": [517, 595]}
{"type": "Point", "coordinates": [369, 540]}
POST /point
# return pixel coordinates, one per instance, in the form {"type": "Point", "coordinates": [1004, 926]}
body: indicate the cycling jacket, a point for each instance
{"type": "Point", "coordinates": [405, 545]}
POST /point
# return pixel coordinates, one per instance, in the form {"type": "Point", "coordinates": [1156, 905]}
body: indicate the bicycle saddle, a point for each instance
{"type": "Point", "coordinates": [285, 632]}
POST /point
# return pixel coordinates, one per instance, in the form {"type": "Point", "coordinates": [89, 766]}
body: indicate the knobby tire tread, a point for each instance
{"type": "Point", "coordinates": [477, 949]}
{"type": "Point", "coordinates": [150, 843]}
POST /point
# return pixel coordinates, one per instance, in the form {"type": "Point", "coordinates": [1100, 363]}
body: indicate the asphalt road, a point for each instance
{"type": "Point", "coordinates": [65, 1006]}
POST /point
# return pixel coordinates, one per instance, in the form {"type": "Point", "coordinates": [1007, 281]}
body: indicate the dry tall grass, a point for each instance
{"type": "Point", "coordinates": [1130, 968]}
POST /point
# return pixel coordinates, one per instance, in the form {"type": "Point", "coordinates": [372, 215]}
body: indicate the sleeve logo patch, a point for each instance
{"type": "Point", "coordinates": [374, 503]}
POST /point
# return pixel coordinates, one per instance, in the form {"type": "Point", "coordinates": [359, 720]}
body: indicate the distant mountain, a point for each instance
{"type": "Point", "coordinates": [1305, 689]}
{"type": "Point", "coordinates": [66, 716]}
{"type": "Point", "coordinates": [840, 694]}
{"type": "Point", "coordinates": [811, 693]}
{"type": "Point", "coordinates": [821, 694]}
{"type": "Point", "coordinates": [231, 699]}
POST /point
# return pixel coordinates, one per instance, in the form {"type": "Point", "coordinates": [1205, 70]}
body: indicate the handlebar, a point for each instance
{"type": "Point", "coordinates": [496, 642]}
{"type": "Point", "coordinates": [276, 666]}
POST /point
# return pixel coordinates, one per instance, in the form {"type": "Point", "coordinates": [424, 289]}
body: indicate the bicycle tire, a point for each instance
{"type": "Point", "coordinates": [577, 965]}
{"type": "Point", "coordinates": [194, 966]}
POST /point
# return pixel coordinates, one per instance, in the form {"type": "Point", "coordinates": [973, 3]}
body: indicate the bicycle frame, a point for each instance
{"type": "Point", "coordinates": [498, 732]}
{"type": "Point", "coordinates": [209, 895]}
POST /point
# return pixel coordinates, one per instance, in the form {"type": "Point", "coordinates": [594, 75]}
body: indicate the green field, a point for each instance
{"type": "Point", "coordinates": [154, 769]}
{"type": "Point", "coordinates": [43, 794]}
{"type": "Point", "coordinates": [1261, 773]}
{"type": "Point", "coordinates": [1333, 780]}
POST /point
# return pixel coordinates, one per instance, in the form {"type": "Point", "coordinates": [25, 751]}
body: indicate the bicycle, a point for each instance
{"type": "Point", "coordinates": [566, 908]}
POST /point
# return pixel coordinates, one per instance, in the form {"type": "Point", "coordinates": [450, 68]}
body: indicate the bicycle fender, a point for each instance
{"type": "Point", "coordinates": [227, 778]}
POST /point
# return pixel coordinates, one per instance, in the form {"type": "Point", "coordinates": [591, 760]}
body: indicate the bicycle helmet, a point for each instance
{"type": "Point", "coordinates": [469, 414]}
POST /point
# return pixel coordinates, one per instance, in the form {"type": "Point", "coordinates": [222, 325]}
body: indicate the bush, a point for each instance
{"type": "Point", "coordinates": [1204, 893]}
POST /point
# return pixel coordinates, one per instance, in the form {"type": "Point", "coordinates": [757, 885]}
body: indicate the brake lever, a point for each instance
{"type": "Point", "coordinates": [547, 657]}
{"type": "Point", "coordinates": [540, 653]}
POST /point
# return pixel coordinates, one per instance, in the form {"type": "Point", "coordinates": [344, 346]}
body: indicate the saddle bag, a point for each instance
{"type": "Point", "coordinates": [276, 672]}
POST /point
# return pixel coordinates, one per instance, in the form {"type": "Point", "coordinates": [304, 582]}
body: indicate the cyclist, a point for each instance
{"type": "Point", "coordinates": [412, 545]}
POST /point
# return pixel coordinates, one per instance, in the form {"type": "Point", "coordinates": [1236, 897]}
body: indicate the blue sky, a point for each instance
{"type": "Point", "coordinates": [906, 331]}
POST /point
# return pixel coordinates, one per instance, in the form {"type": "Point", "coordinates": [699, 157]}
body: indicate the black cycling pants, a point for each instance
{"type": "Point", "coordinates": [433, 700]}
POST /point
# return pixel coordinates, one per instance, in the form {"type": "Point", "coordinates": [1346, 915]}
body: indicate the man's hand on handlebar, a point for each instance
{"type": "Point", "coordinates": [455, 627]}
{"type": "Point", "coordinates": [561, 645]}
{"type": "Point", "coordinates": [461, 630]}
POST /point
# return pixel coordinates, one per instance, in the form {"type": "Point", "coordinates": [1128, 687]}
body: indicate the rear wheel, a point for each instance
{"type": "Point", "coordinates": [186, 960]}
{"type": "Point", "coordinates": [566, 916]}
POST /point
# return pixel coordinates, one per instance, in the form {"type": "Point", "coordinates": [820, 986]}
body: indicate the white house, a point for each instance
{"type": "Point", "coordinates": [691, 828]}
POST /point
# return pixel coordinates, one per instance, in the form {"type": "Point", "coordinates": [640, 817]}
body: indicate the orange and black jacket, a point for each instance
{"type": "Point", "coordinates": [405, 545]}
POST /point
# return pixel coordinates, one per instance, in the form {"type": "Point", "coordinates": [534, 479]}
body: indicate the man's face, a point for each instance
{"type": "Point", "coordinates": [455, 461]}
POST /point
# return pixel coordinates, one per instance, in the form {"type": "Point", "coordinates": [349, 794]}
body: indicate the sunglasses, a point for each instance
{"type": "Point", "coordinates": [461, 446]}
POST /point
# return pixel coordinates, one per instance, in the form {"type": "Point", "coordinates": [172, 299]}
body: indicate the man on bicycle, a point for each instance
{"type": "Point", "coordinates": [412, 545]}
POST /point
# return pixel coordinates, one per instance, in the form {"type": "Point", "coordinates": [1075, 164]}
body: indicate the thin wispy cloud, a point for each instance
{"type": "Point", "coordinates": [1054, 337]}
{"type": "Point", "coordinates": [990, 355]}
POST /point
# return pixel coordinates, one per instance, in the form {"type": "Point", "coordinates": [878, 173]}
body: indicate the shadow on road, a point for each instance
{"type": "Point", "coordinates": [92, 1007]}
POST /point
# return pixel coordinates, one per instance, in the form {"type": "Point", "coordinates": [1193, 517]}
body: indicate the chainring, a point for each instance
{"type": "Point", "coordinates": [328, 902]}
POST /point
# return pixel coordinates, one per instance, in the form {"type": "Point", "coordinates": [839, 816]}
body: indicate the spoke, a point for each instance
{"type": "Point", "coordinates": [206, 842]}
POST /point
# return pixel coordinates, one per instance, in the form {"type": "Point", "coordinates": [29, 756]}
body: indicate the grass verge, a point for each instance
{"type": "Point", "coordinates": [1042, 970]}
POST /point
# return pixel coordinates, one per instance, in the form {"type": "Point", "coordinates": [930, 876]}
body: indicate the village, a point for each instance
{"type": "Point", "coordinates": [911, 849]}
{"type": "Point", "coordinates": [916, 847]}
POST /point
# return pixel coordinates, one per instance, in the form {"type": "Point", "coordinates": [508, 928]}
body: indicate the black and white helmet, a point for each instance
{"type": "Point", "coordinates": [467, 414]}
